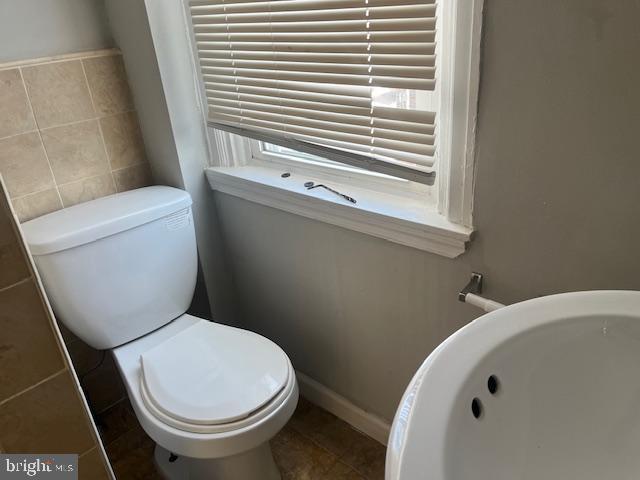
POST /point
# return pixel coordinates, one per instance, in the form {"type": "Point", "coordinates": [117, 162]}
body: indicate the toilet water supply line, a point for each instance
{"type": "Point", "coordinates": [469, 294]}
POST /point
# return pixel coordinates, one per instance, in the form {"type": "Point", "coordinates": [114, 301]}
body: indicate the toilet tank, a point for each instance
{"type": "Point", "coordinates": [118, 267]}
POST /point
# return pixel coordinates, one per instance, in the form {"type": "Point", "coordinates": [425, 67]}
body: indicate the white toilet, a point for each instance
{"type": "Point", "coordinates": [120, 272]}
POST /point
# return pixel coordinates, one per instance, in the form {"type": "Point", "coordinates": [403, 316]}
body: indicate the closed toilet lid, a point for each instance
{"type": "Point", "coordinates": [210, 374]}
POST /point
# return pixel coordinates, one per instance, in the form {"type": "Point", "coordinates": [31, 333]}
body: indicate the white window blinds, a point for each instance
{"type": "Point", "coordinates": [352, 76]}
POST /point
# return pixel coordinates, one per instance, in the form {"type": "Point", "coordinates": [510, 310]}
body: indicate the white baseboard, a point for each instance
{"type": "Point", "coordinates": [368, 423]}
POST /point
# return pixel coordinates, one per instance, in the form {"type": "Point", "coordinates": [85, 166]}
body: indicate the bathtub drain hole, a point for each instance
{"type": "Point", "coordinates": [493, 384]}
{"type": "Point", "coordinates": [476, 407]}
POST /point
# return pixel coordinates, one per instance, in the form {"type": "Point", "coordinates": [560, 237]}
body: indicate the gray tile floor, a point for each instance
{"type": "Point", "coordinates": [314, 445]}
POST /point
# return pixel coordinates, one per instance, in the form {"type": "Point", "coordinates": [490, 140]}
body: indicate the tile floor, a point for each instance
{"type": "Point", "coordinates": [314, 445]}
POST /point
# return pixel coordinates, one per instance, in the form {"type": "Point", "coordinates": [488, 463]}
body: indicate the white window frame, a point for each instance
{"type": "Point", "coordinates": [434, 218]}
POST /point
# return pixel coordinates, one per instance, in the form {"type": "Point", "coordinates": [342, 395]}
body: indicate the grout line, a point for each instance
{"type": "Point", "coordinates": [35, 385]}
{"type": "Point", "coordinates": [125, 397]}
{"type": "Point", "coordinates": [91, 119]}
{"type": "Point", "coordinates": [137, 164]}
{"type": "Point", "coordinates": [20, 282]}
{"type": "Point", "coordinates": [20, 197]}
{"type": "Point", "coordinates": [104, 143]}
{"type": "Point", "coordinates": [18, 134]}
{"type": "Point", "coordinates": [44, 148]}
{"type": "Point", "coordinates": [71, 124]}
{"type": "Point", "coordinates": [86, 80]}
{"type": "Point", "coordinates": [87, 452]}
{"type": "Point", "coordinates": [83, 179]}
{"type": "Point", "coordinates": [106, 153]}
{"type": "Point", "coordinates": [97, 118]}
{"type": "Point", "coordinates": [339, 455]}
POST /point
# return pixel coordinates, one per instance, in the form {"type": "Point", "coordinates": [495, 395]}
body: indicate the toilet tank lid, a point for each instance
{"type": "Point", "coordinates": [87, 222]}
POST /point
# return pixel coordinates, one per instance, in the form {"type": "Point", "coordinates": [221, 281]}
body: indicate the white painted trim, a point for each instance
{"type": "Point", "coordinates": [393, 218]}
{"type": "Point", "coordinates": [368, 423]}
{"type": "Point", "coordinates": [60, 58]}
{"type": "Point", "coordinates": [458, 54]}
{"type": "Point", "coordinates": [458, 115]}
{"type": "Point", "coordinates": [334, 171]}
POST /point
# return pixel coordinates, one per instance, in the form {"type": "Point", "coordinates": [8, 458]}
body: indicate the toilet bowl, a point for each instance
{"type": "Point", "coordinates": [120, 273]}
{"type": "Point", "coordinates": [238, 440]}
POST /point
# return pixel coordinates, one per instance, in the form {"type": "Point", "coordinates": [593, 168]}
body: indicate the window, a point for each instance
{"type": "Point", "coordinates": [373, 96]}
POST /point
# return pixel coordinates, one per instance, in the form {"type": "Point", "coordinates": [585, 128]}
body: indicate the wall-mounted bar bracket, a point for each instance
{"type": "Point", "coordinates": [474, 286]}
{"type": "Point", "coordinates": [470, 294]}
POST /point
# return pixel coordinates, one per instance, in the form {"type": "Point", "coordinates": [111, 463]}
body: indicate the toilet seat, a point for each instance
{"type": "Point", "coordinates": [210, 378]}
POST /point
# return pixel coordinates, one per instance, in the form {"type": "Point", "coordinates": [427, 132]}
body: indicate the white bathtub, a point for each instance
{"type": "Point", "coordinates": [566, 374]}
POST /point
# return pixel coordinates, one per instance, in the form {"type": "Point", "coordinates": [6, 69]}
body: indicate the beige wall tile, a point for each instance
{"type": "Point", "coordinates": [129, 178]}
{"type": "Point", "coordinates": [92, 467]}
{"type": "Point", "coordinates": [87, 189]}
{"type": "Point", "coordinates": [13, 266]}
{"type": "Point", "coordinates": [123, 140]}
{"type": "Point", "coordinates": [16, 114]}
{"type": "Point", "coordinates": [28, 350]}
{"type": "Point", "coordinates": [24, 165]}
{"type": "Point", "coordinates": [48, 418]}
{"type": "Point", "coordinates": [82, 138]}
{"type": "Point", "coordinates": [58, 93]}
{"type": "Point", "coordinates": [36, 204]}
{"type": "Point", "coordinates": [75, 151]}
{"type": "Point", "coordinates": [108, 84]}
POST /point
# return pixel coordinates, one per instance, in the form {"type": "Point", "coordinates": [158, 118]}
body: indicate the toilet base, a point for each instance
{"type": "Point", "coordinates": [255, 464]}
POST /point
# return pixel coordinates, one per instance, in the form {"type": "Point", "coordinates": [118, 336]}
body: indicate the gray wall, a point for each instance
{"type": "Point", "coordinates": [557, 208]}
{"type": "Point", "coordinates": [41, 28]}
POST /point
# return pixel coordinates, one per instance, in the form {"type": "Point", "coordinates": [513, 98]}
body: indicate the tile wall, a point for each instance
{"type": "Point", "coordinates": [41, 408]}
{"type": "Point", "coordinates": [68, 132]}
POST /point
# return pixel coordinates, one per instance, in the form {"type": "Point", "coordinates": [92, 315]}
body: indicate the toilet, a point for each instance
{"type": "Point", "coordinates": [120, 272]}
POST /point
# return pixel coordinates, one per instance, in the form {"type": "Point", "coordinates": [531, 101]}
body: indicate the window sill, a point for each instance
{"type": "Point", "coordinates": [382, 215]}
